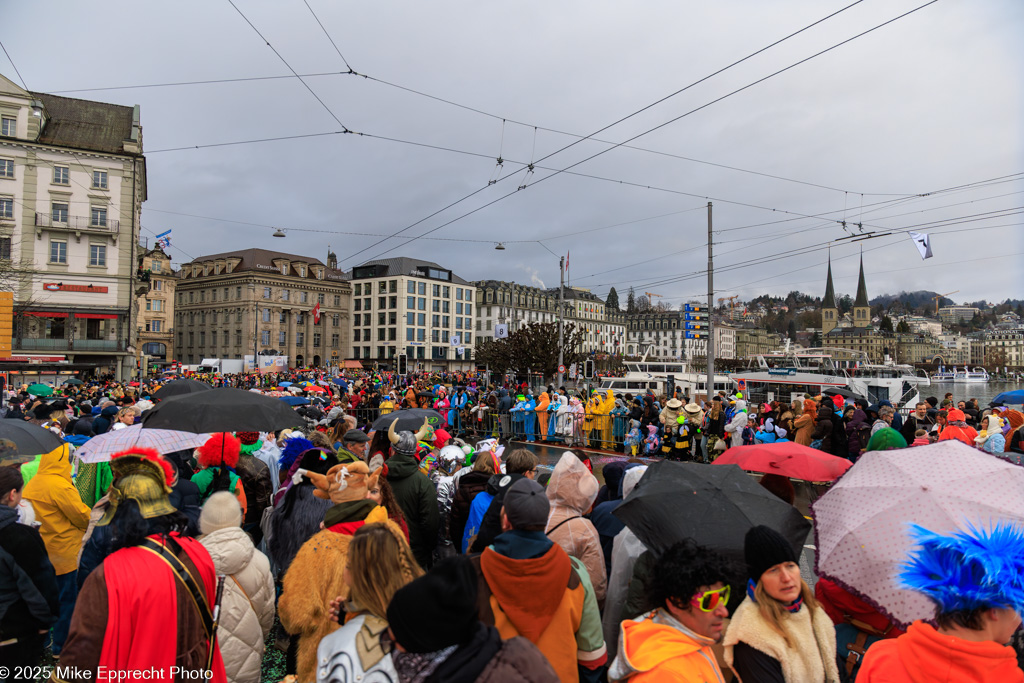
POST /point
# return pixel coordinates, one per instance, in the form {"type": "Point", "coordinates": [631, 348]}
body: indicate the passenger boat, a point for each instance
{"type": "Point", "coordinates": [658, 374]}
{"type": "Point", "coordinates": [787, 375]}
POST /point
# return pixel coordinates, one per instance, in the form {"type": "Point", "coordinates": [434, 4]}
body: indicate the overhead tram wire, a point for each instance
{"type": "Point", "coordinates": [895, 233]}
{"type": "Point", "coordinates": [926, 195]}
{"type": "Point", "coordinates": [662, 125]}
{"type": "Point", "coordinates": [600, 130]}
{"type": "Point", "coordinates": [15, 66]}
{"type": "Point", "coordinates": [333, 44]}
{"type": "Point", "coordinates": [285, 62]}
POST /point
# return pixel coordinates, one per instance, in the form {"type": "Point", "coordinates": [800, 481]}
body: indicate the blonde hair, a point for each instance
{"type": "Point", "coordinates": [125, 411]}
{"type": "Point", "coordinates": [379, 563]}
{"type": "Point", "coordinates": [773, 611]}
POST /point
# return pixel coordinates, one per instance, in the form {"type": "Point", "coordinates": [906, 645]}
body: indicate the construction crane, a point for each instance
{"type": "Point", "coordinates": [651, 294]}
{"type": "Point", "coordinates": [940, 297]}
{"type": "Point", "coordinates": [730, 299]}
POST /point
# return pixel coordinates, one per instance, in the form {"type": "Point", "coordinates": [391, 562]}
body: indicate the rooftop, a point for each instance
{"type": "Point", "coordinates": [404, 265]}
{"type": "Point", "coordinates": [84, 124]}
{"type": "Point", "coordinates": [263, 260]}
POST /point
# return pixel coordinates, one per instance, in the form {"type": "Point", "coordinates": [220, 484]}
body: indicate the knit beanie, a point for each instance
{"type": "Point", "coordinates": [763, 548]}
{"type": "Point", "coordinates": [220, 511]}
{"type": "Point", "coordinates": [438, 609]}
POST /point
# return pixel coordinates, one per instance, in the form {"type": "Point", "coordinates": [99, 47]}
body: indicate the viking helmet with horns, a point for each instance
{"type": "Point", "coordinates": [404, 443]}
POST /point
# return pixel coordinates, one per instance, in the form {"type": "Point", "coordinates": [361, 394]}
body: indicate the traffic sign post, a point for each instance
{"type": "Point", "coordinates": [561, 369]}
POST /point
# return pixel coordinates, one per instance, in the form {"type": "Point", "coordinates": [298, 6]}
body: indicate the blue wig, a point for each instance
{"type": "Point", "coordinates": [294, 447]}
{"type": "Point", "coordinates": [966, 570]}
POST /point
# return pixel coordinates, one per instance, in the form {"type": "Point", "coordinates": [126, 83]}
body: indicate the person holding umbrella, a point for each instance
{"type": "Point", "coordinates": [779, 633]}
{"type": "Point", "coordinates": [974, 579]}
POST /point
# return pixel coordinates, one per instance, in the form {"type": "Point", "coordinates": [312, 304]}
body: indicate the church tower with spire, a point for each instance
{"type": "Point", "coordinates": [829, 310]}
{"type": "Point", "coordinates": [861, 307]}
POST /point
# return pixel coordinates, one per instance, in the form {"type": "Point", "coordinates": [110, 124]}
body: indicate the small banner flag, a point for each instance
{"type": "Point", "coordinates": [501, 331]}
{"type": "Point", "coordinates": [163, 240]}
{"type": "Point", "coordinates": [923, 242]}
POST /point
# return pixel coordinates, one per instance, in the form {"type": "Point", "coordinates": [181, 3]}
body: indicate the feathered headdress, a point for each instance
{"type": "Point", "coordinates": [969, 569]}
{"type": "Point", "coordinates": [220, 449]}
{"type": "Point", "coordinates": [294, 447]}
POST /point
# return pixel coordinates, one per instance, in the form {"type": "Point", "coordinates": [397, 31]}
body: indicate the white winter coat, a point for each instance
{"type": "Point", "coordinates": [735, 426]}
{"type": "Point", "coordinates": [354, 653]}
{"type": "Point", "coordinates": [247, 607]}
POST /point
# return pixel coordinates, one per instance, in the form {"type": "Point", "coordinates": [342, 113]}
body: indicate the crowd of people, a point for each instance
{"type": "Point", "coordinates": [442, 554]}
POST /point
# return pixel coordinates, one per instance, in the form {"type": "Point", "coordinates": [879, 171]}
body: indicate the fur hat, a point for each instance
{"type": "Point", "coordinates": [220, 449]}
{"type": "Point", "coordinates": [345, 482]}
{"type": "Point", "coordinates": [220, 511]}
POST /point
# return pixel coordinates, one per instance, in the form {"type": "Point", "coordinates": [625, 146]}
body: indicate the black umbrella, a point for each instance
{"type": "Point", "coordinates": [715, 506]}
{"type": "Point", "coordinates": [840, 391]}
{"type": "Point", "coordinates": [29, 438]}
{"type": "Point", "coordinates": [179, 387]}
{"type": "Point", "coordinates": [409, 420]}
{"type": "Point", "coordinates": [426, 394]}
{"type": "Point", "coordinates": [221, 410]}
{"type": "Point", "coordinates": [74, 381]}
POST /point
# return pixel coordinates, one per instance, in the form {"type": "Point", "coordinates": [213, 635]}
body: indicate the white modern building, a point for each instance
{"type": "Point", "coordinates": [405, 305]}
{"type": "Point", "coordinates": [72, 183]}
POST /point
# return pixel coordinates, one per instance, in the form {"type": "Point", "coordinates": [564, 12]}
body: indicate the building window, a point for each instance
{"type": "Point", "coordinates": [5, 248]}
{"type": "Point", "coordinates": [238, 337]}
{"type": "Point", "coordinates": [266, 292]}
{"type": "Point", "coordinates": [410, 287]}
{"type": "Point", "coordinates": [202, 338]}
{"type": "Point", "coordinates": [358, 305]}
{"type": "Point", "coordinates": [335, 341]}
{"type": "Point", "coordinates": [410, 302]}
{"type": "Point", "coordinates": [61, 175]}
{"type": "Point", "coordinates": [421, 335]}
{"type": "Point", "coordinates": [316, 340]}
{"type": "Point", "coordinates": [392, 302]}
{"type": "Point", "coordinates": [382, 302]}
{"type": "Point", "coordinates": [356, 334]}
{"type": "Point", "coordinates": [359, 289]}
{"type": "Point", "coordinates": [8, 126]}
{"type": "Point", "coordinates": [392, 334]}
{"type": "Point", "coordinates": [265, 338]}
{"type": "Point", "coordinates": [99, 180]}
{"type": "Point", "coordinates": [282, 338]}
{"type": "Point", "coordinates": [337, 300]}
{"type": "Point", "coordinates": [421, 319]}
{"type": "Point", "coordinates": [300, 338]}
{"type": "Point", "coordinates": [266, 315]}
{"type": "Point", "coordinates": [7, 208]}
{"type": "Point", "coordinates": [304, 297]}
{"type": "Point", "coordinates": [320, 299]}
{"type": "Point", "coordinates": [59, 212]}
{"type": "Point", "coordinates": [58, 251]}
{"type": "Point", "coordinates": [238, 292]}
{"type": "Point", "coordinates": [300, 318]}
{"type": "Point", "coordinates": [285, 295]}
{"type": "Point", "coordinates": [335, 320]}
{"type": "Point", "coordinates": [410, 334]}
{"type": "Point", "coordinates": [6, 168]}
{"type": "Point", "coordinates": [98, 217]}
{"type": "Point", "coordinates": [281, 318]}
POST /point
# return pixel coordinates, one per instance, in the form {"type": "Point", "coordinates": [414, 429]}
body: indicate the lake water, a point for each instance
{"type": "Point", "coordinates": [962, 392]}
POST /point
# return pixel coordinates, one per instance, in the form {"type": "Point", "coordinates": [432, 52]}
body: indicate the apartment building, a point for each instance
{"type": "Point", "coordinates": [157, 281]}
{"type": "Point", "coordinates": [72, 183]}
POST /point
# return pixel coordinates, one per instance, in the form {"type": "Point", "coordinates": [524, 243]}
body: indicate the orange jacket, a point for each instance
{"type": "Point", "coordinates": [924, 655]}
{"type": "Point", "coordinates": [653, 652]}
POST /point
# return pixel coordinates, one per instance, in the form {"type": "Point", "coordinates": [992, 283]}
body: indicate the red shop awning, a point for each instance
{"type": "Point", "coordinates": [97, 316]}
{"type": "Point", "coordinates": [46, 314]}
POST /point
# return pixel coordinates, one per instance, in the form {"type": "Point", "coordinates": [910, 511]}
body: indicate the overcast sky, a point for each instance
{"type": "Point", "coordinates": [929, 102]}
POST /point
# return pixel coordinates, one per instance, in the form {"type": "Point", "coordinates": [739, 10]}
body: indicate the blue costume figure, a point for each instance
{"type": "Point", "coordinates": [518, 417]}
{"type": "Point", "coordinates": [530, 417]}
{"type": "Point", "coordinates": [458, 401]}
{"type": "Point", "coordinates": [619, 418]}
{"type": "Point", "coordinates": [557, 401]}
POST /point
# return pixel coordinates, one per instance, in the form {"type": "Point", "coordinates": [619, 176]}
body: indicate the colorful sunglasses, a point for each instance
{"type": "Point", "coordinates": [708, 601]}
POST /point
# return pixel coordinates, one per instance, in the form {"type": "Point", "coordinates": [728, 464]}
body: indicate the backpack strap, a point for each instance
{"type": "Point", "coordinates": [182, 573]}
{"type": "Point", "coordinates": [568, 519]}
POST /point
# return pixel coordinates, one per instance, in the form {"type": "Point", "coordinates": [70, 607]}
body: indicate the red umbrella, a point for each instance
{"type": "Point", "coordinates": [314, 388]}
{"type": "Point", "coordinates": [788, 459]}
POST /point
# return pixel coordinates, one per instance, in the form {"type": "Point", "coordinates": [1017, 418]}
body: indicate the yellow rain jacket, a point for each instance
{"type": "Point", "coordinates": [59, 509]}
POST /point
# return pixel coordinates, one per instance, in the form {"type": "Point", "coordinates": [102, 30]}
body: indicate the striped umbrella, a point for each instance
{"type": "Point", "coordinates": [100, 448]}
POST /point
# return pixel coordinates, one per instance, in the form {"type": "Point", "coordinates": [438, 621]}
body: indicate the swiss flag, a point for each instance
{"type": "Point", "coordinates": [316, 314]}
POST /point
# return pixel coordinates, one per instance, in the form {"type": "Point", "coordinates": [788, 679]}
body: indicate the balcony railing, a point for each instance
{"type": "Point", "coordinates": [31, 344]}
{"type": "Point", "coordinates": [46, 220]}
